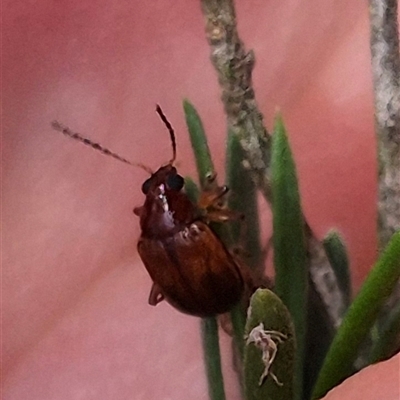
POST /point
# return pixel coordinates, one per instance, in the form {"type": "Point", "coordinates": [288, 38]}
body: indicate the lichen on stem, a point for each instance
{"type": "Point", "coordinates": [385, 59]}
{"type": "Point", "coordinates": [234, 66]}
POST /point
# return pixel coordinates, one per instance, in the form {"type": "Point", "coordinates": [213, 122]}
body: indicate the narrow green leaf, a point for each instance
{"type": "Point", "coordinates": [319, 335]}
{"type": "Point", "coordinates": [387, 342]}
{"type": "Point", "coordinates": [290, 260]}
{"type": "Point", "coordinates": [359, 318]}
{"type": "Point", "coordinates": [238, 319]}
{"type": "Point", "coordinates": [335, 249]}
{"type": "Point", "coordinates": [243, 199]}
{"type": "Point", "coordinates": [199, 142]}
{"type": "Point", "coordinates": [209, 326]}
{"type": "Point", "coordinates": [212, 358]}
{"type": "Point", "coordinates": [244, 234]}
{"type": "Point", "coordinates": [267, 309]}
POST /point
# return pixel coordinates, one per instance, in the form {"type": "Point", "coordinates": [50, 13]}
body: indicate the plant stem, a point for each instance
{"type": "Point", "coordinates": [234, 67]}
{"type": "Point", "coordinates": [385, 58]}
{"type": "Point", "coordinates": [212, 358]}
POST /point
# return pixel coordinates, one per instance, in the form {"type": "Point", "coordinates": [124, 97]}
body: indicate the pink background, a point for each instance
{"type": "Point", "coordinates": [76, 320]}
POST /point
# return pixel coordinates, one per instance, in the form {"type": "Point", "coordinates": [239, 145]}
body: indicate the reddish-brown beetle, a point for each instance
{"type": "Point", "coordinates": [189, 265]}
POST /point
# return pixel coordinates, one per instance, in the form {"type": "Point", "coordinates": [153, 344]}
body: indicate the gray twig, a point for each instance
{"type": "Point", "coordinates": [234, 66]}
{"type": "Point", "coordinates": [386, 77]}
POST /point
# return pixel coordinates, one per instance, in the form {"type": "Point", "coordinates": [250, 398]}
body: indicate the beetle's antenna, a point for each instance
{"type": "Point", "coordinates": [73, 135]}
{"type": "Point", "coordinates": [171, 132]}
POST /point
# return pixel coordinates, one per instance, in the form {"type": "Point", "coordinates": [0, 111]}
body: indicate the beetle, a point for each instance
{"type": "Point", "coordinates": [188, 263]}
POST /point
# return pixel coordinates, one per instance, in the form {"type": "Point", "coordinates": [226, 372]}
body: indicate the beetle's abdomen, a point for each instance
{"type": "Point", "coordinates": [195, 272]}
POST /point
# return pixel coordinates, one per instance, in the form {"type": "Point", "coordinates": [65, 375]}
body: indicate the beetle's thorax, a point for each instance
{"type": "Point", "coordinates": [167, 209]}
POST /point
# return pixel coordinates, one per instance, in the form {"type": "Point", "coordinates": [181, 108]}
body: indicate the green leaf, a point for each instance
{"type": "Point", "coordinates": [243, 199]}
{"type": "Point", "coordinates": [290, 260]}
{"type": "Point", "coordinates": [198, 140]}
{"type": "Point", "coordinates": [191, 190]}
{"type": "Point", "coordinates": [244, 234]}
{"type": "Point", "coordinates": [209, 326]}
{"type": "Point", "coordinates": [359, 318]}
{"type": "Point", "coordinates": [212, 358]}
{"type": "Point", "coordinates": [267, 309]}
{"type": "Point", "coordinates": [319, 335]}
{"type": "Point", "coordinates": [387, 342]}
{"type": "Point", "coordinates": [335, 249]}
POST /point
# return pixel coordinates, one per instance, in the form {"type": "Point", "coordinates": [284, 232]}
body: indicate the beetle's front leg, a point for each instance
{"type": "Point", "coordinates": [213, 204]}
{"type": "Point", "coordinates": [156, 296]}
{"type": "Point", "coordinates": [212, 195]}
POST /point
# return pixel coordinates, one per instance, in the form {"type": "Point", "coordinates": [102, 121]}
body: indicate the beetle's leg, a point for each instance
{"type": "Point", "coordinates": [214, 207]}
{"type": "Point", "coordinates": [212, 197]}
{"type": "Point", "coordinates": [225, 323]}
{"type": "Point", "coordinates": [212, 202]}
{"type": "Point", "coordinates": [156, 295]}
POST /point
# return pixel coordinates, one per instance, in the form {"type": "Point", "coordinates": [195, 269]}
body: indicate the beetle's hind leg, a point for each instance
{"type": "Point", "coordinates": [156, 296]}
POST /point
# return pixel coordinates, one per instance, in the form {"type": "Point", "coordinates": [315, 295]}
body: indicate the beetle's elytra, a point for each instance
{"type": "Point", "coordinates": [189, 265]}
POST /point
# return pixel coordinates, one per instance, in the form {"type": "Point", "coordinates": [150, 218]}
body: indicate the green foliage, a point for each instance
{"type": "Point", "coordinates": [336, 252]}
{"type": "Point", "coordinates": [387, 342]}
{"type": "Point", "coordinates": [191, 189]}
{"type": "Point", "coordinates": [360, 318]}
{"type": "Point", "coordinates": [209, 326]}
{"type": "Point", "coordinates": [284, 318]}
{"type": "Point", "coordinates": [198, 140]}
{"type": "Point", "coordinates": [243, 199]}
{"type": "Point", "coordinates": [267, 309]}
{"type": "Point", "coordinates": [290, 260]}
{"type": "Point", "coordinates": [243, 234]}
{"type": "Point", "coordinates": [212, 358]}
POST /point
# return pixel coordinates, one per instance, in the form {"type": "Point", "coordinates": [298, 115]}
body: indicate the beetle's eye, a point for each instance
{"type": "Point", "coordinates": [146, 186]}
{"type": "Point", "coordinates": [175, 182]}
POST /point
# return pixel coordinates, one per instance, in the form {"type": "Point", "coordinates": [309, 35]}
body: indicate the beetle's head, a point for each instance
{"type": "Point", "coordinates": [167, 176]}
